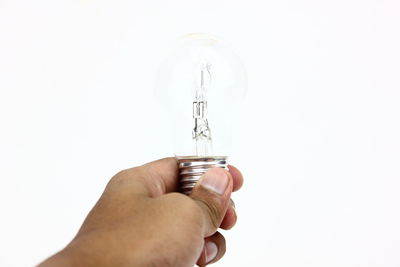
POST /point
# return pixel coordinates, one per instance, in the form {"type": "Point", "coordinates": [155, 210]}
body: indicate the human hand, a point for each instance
{"type": "Point", "coordinates": [140, 221]}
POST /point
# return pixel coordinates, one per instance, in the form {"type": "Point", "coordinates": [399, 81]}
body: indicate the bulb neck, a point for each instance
{"type": "Point", "coordinates": [192, 168]}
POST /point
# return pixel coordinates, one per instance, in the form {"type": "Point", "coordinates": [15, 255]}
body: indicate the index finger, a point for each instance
{"type": "Point", "coordinates": [237, 177]}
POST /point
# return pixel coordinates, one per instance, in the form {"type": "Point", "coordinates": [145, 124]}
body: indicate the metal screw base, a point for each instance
{"type": "Point", "coordinates": [192, 168]}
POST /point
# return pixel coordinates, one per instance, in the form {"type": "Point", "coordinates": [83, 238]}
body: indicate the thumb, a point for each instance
{"type": "Point", "coordinates": [212, 193]}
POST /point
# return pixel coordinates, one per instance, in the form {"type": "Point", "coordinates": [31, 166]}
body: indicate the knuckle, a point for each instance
{"type": "Point", "coordinates": [212, 212]}
{"type": "Point", "coordinates": [124, 174]}
{"type": "Point", "coordinates": [185, 204]}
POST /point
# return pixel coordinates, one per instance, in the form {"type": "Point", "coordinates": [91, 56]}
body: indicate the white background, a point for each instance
{"type": "Point", "coordinates": [317, 141]}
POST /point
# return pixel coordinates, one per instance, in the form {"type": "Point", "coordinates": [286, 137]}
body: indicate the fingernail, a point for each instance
{"type": "Point", "coordinates": [211, 251]}
{"type": "Point", "coordinates": [215, 180]}
{"type": "Point", "coordinates": [233, 204]}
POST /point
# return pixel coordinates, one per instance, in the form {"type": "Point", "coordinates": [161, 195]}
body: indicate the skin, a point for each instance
{"type": "Point", "coordinates": [140, 220]}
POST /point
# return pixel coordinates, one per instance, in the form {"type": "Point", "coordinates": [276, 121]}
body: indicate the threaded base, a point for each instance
{"type": "Point", "coordinates": [192, 168]}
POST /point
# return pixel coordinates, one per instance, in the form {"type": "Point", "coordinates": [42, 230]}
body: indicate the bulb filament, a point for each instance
{"type": "Point", "coordinates": [201, 132]}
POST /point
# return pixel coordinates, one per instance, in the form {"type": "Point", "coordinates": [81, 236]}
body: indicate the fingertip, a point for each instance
{"type": "Point", "coordinates": [211, 251]}
{"type": "Point", "coordinates": [214, 249]}
{"type": "Point", "coordinates": [237, 177]}
{"type": "Point", "coordinates": [230, 218]}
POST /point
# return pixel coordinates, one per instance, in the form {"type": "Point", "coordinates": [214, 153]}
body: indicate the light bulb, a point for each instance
{"type": "Point", "coordinates": [201, 84]}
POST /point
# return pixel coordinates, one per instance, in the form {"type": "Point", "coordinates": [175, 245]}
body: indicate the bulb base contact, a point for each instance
{"type": "Point", "coordinates": [192, 168]}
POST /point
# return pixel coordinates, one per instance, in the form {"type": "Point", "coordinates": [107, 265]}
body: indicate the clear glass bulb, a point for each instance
{"type": "Point", "coordinates": [201, 84]}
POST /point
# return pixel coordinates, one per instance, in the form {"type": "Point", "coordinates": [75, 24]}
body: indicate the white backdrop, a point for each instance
{"type": "Point", "coordinates": [318, 139]}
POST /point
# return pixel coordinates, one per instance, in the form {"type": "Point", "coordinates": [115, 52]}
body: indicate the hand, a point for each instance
{"type": "Point", "coordinates": [140, 221]}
